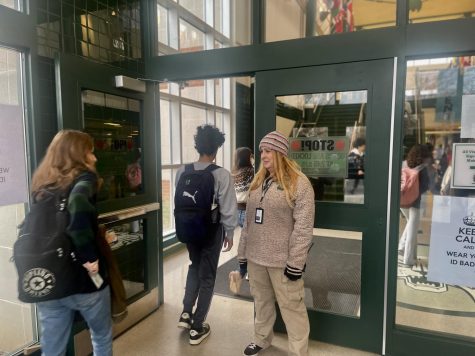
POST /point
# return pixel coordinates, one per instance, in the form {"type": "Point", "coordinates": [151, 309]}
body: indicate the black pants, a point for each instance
{"type": "Point", "coordinates": [201, 277]}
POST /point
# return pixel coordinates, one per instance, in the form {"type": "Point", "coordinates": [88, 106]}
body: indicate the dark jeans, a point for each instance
{"type": "Point", "coordinates": [201, 277]}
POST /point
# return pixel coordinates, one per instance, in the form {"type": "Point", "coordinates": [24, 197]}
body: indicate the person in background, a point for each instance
{"type": "Point", "coordinates": [418, 157]}
{"type": "Point", "coordinates": [274, 245]}
{"type": "Point", "coordinates": [133, 172]}
{"type": "Point", "coordinates": [69, 164]}
{"type": "Point", "coordinates": [204, 257]}
{"type": "Point", "coordinates": [356, 162]}
{"type": "Point", "coordinates": [243, 173]}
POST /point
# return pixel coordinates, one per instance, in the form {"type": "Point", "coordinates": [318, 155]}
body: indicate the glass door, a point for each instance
{"type": "Point", "coordinates": [18, 322]}
{"type": "Point", "coordinates": [338, 120]}
{"type": "Point", "coordinates": [123, 126]}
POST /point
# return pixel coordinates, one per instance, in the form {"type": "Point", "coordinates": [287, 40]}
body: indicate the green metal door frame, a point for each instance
{"type": "Point", "coordinates": [73, 74]}
{"type": "Point", "coordinates": [370, 218]}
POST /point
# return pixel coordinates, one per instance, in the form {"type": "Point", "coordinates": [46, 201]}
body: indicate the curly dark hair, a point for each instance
{"type": "Point", "coordinates": [417, 155]}
{"type": "Point", "coordinates": [208, 139]}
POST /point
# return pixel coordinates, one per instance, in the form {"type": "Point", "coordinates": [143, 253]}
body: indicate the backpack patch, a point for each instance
{"type": "Point", "coordinates": [196, 214]}
{"type": "Point", "coordinates": [409, 186]}
{"type": "Point", "coordinates": [43, 253]}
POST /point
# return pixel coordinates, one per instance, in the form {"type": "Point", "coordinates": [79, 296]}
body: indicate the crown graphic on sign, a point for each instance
{"type": "Point", "coordinates": [469, 220]}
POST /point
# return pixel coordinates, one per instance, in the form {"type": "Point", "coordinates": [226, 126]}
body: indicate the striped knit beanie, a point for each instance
{"type": "Point", "coordinates": [275, 141]}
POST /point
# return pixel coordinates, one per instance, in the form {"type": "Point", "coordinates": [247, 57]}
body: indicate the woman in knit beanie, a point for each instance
{"type": "Point", "coordinates": [274, 244]}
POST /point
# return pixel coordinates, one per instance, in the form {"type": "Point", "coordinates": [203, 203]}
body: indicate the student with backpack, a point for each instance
{"type": "Point", "coordinates": [205, 219]}
{"type": "Point", "coordinates": [67, 175]}
{"type": "Point", "coordinates": [414, 183]}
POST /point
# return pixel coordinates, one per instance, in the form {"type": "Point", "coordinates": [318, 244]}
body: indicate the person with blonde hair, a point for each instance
{"type": "Point", "coordinates": [69, 166]}
{"type": "Point", "coordinates": [274, 244]}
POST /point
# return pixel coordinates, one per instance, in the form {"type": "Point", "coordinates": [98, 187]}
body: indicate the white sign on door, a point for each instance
{"type": "Point", "coordinates": [13, 181]}
{"type": "Point", "coordinates": [452, 241]}
{"type": "Point", "coordinates": [463, 165]}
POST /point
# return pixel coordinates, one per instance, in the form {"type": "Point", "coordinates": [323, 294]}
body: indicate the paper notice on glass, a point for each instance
{"type": "Point", "coordinates": [468, 117]}
{"type": "Point", "coordinates": [463, 166]}
{"type": "Point", "coordinates": [451, 253]}
{"type": "Point", "coordinates": [13, 181]}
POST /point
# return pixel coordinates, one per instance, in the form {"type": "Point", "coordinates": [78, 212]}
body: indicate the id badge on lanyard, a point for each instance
{"type": "Point", "coordinates": [259, 219]}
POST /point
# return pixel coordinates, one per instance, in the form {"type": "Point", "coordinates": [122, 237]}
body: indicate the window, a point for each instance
{"type": "Point", "coordinates": [162, 18]}
{"type": "Point", "coordinates": [183, 107]}
{"type": "Point", "coordinates": [201, 25]}
{"type": "Point", "coordinates": [286, 19]}
{"type": "Point", "coordinates": [108, 32]}
{"type": "Point", "coordinates": [439, 10]}
{"type": "Point", "coordinates": [435, 261]}
{"type": "Point", "coordinates": [18, 321]}
{"type": "Point", "coordinates": [339, 116]}
{"type": "Point", "coordinates": [13, 4]}
{"type": "Point", "coordinates": [115, 124]}
{"type": "Point", "coordinates": [196, 7]}
{"type": "Point", "coordinates": [191, 118]}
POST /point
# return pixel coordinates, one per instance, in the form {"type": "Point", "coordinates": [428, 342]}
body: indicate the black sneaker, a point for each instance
{"type": "Point", "coordinates": [252, 349]}
{"type": "Point", "coordinates": [198, 335]}
{"type": "Point", "coordinates": [185, 321]}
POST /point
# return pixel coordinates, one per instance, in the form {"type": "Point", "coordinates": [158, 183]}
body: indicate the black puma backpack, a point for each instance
{"type": "Point", "coordinates": [196, 215]}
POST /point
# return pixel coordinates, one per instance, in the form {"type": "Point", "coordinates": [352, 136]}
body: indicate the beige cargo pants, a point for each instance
{"type": "Point", "coordinates": [268, 285]}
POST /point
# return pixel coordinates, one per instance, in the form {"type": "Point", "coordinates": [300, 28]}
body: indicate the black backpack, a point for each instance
{"type": "Point", "coordinates": [196, 214]}
{"type": "Point", "coordinates": [43, 253]}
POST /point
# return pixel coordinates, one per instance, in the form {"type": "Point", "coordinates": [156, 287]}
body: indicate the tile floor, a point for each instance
{"type": "Point", "coordinates": [231, 323]}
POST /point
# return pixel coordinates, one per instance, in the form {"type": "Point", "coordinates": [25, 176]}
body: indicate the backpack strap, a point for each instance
{"type": "Point", "coordinates": [211, 167]}
{"type": "Point", "coordinates": [190, 167]}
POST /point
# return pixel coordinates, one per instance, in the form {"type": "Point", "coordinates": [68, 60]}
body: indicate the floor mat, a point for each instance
{"type": "Point", "coordinates": [332, 277]}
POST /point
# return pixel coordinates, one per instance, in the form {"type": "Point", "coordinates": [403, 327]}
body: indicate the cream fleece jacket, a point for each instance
{"type": "Point", "coordinates": [285, 235]}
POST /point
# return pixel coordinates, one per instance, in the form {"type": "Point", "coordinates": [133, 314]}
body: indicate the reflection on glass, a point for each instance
{"type": "Point", "coordinates": [191, 39]}
{"type": "Point", "coordinates": [333, 273]}
{"type": "Point", "coordinates": [114, 123]}
{"type": "Point", "coordinates": [167, 196]}
{"type": "Point", "coordinates": [427, 11]}
{"type": "Point", "coordinates": [10, 83]}
{"type": "Point", "coordinates": [165, 130]}
{"type": "Point", "coordinates": [126, 241]}
{"type": "Point", "coordinates": [219, 91]}
{"type": "Point", "coordinates": [193, 89]}
{"type": "Point", "coordinates": [162, 19]}
{"type": "Point", "coordinates": [197, 7]}
{"type": "Point", "coordinates": [219, 124]}
{"type": "Point", "coordinates": [435, 118]}
{"type": "Point", "coordinates": [327, 138]}
{"type": "Point", "coordinates": [191, 118]}
{"type": "Point", "coordinates": [13, 4]}
{"type": "Point", "coordinates": [287, 19]}
{"type": "Point", "coordinates": [218, 16]}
